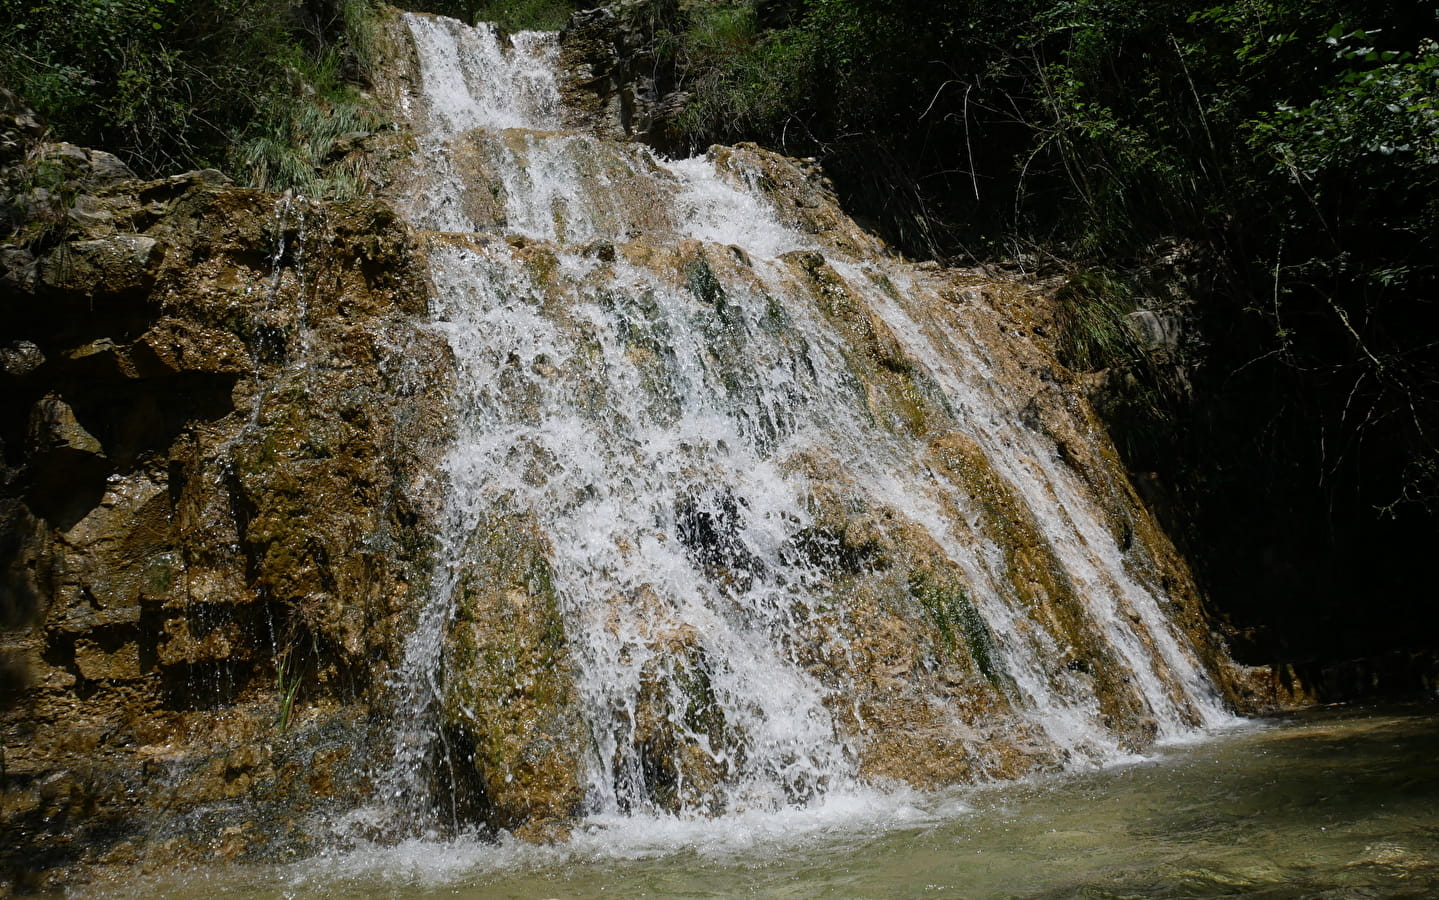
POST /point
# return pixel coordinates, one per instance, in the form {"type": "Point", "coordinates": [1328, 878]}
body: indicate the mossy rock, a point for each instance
{"type": "Point", "coordinates": [508, 679]}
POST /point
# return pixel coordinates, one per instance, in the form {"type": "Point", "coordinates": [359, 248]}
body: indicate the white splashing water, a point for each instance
{"type": "Point", "coordinates": [483, 83]}
{"type": "Point", "coordinates": [1070, 520]}
{"type": "Point", "coordinates": [647, 421]}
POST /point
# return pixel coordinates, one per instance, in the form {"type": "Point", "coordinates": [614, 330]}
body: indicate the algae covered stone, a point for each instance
{"type": "Point", "coordinates": [508, 683]}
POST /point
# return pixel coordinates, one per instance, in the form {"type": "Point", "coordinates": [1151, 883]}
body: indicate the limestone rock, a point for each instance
{"type": "Point", "coordinates": [17, 269]}
{"type": "Point", "coordinates": [99, 664]}
{"type": "Point", "coordinates": [226, 418]}
{"type": "Point", "coordinates": [87, 211]}
{"type": "Point", "coordinates": [607, 74]}
{"type": "Point", "coordinates": [21, 358]}
{"type": "Point", "coordinates": [115, 265]}
{"type": "Point", "coordinates": [509, 687]}
{"type": "Point", "coordinates": [53, 427]}
{"type": "Point", "coordinates": [175, 345]}
{"type": "Point", "coordinates": [590, 77]}
{"type": "Point", "coordinates": [1156, 331]}
{"type": "Point", "coordinates": [108, 168]}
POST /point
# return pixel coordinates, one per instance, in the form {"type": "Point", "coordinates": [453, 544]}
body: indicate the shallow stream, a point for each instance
{"type": "Point", "coordinates": [1330, 804]}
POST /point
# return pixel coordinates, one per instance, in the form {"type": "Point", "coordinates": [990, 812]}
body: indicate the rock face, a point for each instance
{"type": "Point", "coordinates": [509, 689]}
{"type": "Point", "coordinates": [610, 80]}
{"type": "Point", "coordinates": [218, 415]}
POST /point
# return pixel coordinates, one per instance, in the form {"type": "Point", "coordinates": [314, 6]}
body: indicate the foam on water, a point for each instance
{"type": "Point", "coordinates": [716, 210]}
{"type": "Point", "coordinates": [750, 838]}
{"type": "Point", "coordinates": [604, 475]}
{"type": "Point", "coordinates": [754, 836]}
{"type": "Point", "coordinates": [1324, 804]}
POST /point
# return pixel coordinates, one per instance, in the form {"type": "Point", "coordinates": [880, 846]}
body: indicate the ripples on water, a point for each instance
{"type": "Point", "coordinates": [1334, 804]}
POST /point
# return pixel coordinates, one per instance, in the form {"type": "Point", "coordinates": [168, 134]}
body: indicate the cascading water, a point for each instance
{"type": "Point", "coordinates": [741, 510]}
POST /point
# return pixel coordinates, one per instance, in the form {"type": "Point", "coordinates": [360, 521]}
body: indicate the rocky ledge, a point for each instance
{"type": "Point", "coordinates": [219, 418]}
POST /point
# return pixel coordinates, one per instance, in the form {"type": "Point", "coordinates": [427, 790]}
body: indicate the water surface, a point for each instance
{"type": "Point", "coordinates": [1331, 804]}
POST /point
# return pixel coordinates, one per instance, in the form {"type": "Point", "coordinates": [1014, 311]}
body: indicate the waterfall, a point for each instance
{"type": "Point", "coordinates": [742, 510]}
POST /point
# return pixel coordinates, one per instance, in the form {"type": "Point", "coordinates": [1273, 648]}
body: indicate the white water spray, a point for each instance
{"type": "Point", "coordinates": [647, 374]}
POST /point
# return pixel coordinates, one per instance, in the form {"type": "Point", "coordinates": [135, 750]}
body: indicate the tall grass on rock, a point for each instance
{"type": "Point", "coordinates": [264, 87]}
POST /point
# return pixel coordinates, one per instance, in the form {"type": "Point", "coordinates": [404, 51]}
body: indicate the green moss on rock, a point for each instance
{"type": "Point", "coordinates": [509, 683]}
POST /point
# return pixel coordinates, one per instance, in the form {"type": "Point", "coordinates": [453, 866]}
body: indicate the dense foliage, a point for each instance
{"type": "Point", "coordinates": [1283, 155]}
{"type": "Point", "coordinates": [267, 90]}
{"type": "Point", "coordinates": [262, 88]}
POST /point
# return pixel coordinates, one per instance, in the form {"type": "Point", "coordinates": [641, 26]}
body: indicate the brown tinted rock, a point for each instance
{"type": "Point", "coordinates": [227, 461]}
{"type": "Point", "coordinates": [175, 345]}
{"type": "Point", "coordinates": [20, 359]}
{"type": "Point", "coordinates": [509, 685]}
{"type": "Point", "coordinates": [98, 664]}
{"type": "Point", "coordinates": [115, 265]}
{"type": "Point", "coordinates": [53, 427]}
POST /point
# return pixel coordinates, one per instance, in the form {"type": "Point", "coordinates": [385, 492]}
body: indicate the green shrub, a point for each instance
{"type": "Point", "coordinates": [176, 84]}
{"type": "Point", "coordinates": [526, 15]}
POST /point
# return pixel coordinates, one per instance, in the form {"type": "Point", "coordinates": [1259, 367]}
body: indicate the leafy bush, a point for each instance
{"type": "Point", "coordinates": [175, 84]}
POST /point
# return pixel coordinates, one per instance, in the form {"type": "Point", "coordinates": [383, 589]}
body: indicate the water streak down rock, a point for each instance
{"type": "Point", "coordinates": [743, 510]}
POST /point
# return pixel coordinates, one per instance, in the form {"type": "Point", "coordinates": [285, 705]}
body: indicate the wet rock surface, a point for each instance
{"type": "Point", "coordinates": [509, 692]}
{"type": "Point", "coordinates": [219, 415]}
